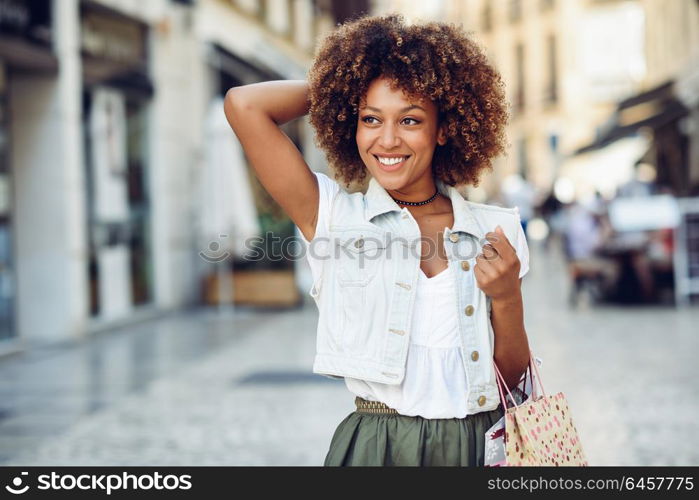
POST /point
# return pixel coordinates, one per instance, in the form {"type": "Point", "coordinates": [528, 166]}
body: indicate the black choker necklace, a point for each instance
{"type": "Point", "coordinates": [416, 203]}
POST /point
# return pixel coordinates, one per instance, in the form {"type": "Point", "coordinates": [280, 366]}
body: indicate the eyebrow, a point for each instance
{"type": "Point", "coordinates": [414, 106]}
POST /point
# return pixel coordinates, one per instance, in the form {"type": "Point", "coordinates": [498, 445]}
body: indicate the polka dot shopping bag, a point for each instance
{"type": "Point", "coordinates": [540, 430]}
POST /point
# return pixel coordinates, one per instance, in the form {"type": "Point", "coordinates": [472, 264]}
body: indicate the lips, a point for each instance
{"type": "Point", "coordinates": [391, 168]}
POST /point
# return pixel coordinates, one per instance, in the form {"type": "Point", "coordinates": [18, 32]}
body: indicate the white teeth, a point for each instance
{"type": "Point", "coordinates": [391, 161]}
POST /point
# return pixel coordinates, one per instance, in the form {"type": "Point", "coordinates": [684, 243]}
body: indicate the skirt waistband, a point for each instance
{"type": "Point", "coordinates": [364, 406]}
{"type": "Point", "coordinates": [377, 407]}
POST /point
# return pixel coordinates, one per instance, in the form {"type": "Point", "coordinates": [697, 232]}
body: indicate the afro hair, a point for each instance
{"type": "Point", "coordinates": [434, 60]}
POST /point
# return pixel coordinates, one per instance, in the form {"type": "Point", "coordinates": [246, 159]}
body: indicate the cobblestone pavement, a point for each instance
{"type": "Point", "coordinates": [202, 388]}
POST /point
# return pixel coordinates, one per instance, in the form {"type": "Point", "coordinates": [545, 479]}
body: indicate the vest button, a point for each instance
{"type": "Point", "coordinates": [454, 237]}
{"type": "Point", "coordinates": [481, 401]}
{"type": "Point", "coordinates": [359, 243]}
{"type": "Point", "coordinates": [474, 355]}
{"type": "Point", "coordinates": [465, 265]}
{"type": "Point", "coordinates": [468, 310]}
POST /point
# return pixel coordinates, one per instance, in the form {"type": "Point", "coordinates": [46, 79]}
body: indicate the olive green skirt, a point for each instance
{"type": "Point", "coordinates": [379, 439]}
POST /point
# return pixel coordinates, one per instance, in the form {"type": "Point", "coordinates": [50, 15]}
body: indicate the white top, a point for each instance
{"type": "Point", "coordinates": [435, 383]}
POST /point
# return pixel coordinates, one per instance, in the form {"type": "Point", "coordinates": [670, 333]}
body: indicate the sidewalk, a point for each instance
{"type": "Point", "coordinates": [196, 389]}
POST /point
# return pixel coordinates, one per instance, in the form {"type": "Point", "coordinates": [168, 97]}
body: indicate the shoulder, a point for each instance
{"type": "Point", "coordinates": [491, 208]}
{"type": "Point", "coordinates": [489, 216]}
{"type": "Point", "coordinates": [329, 190]}
{"type": "Point", "coordinates": [326, 183]}
{"type": "Point", "coordinates": [335, 200]}
{"type": "Point", "coordinates": [509, 219]}
{"type": "Point", "coordinates": [494, 214]}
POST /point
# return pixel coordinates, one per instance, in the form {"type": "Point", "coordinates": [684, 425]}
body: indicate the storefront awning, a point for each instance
{"type": "Point", "coordinates": [653, 108]}
{"type": "Point", "coordinates": [24, 55]}
{"type": "Point", "coordinates": [244, 70]}
{"type": "Point", "coordinates": [26, 34]}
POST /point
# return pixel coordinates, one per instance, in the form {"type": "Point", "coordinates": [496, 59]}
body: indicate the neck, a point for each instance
{"type": "Point", "coordinates": [415, 193]}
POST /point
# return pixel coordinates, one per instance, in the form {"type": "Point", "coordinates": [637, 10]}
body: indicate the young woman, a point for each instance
{"type": "Point", "coordinates": [418, 289]}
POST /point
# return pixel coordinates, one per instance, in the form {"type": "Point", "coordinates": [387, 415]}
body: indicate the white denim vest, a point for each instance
{"type": "Point", "coordinates": [366, 291]}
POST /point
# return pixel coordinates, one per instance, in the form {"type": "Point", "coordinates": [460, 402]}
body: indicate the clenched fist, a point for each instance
{"type": "Point", "coordinates": [497, 267]}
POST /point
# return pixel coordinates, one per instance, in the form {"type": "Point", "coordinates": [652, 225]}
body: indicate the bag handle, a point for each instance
{"type": "Point", "coordinates": [523, 379]}
{"type": "Point", "coordinates": [531, 382]}
{"type": "Point", "coordinates": [502, 384]}
{"type": "Point", "coordinates": [532, 361]}
{"type": "Point", "coordinates": [501, 381]}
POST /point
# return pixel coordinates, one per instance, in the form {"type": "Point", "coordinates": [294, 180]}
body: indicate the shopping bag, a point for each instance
{"type": "Point", "coordinates": [495, 445]}
{"type": "Point", "coordinates": [539, 431]}
{"type": "Point", "coordinates": [495, 435]}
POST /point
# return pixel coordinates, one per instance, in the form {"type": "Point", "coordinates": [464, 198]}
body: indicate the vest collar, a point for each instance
{"type": "Point", "coordinates": [378, 202]}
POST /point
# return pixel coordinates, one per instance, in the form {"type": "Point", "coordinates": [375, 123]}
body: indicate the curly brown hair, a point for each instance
{"type": "Point", "coordinates": [434, 60]}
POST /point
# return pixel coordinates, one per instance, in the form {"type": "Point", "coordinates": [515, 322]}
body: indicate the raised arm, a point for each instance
{"type": "Point", "coordinates": [255, 113]}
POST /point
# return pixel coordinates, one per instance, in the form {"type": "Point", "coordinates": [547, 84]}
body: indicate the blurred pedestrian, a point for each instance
{"type": "Point", "coordinates": [551, 210]}
{"type": "Point", "coordinates": [585, 230]}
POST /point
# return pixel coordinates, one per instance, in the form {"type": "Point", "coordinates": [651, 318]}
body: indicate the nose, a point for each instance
{"type": "Point", "coordinates": [388, 138]}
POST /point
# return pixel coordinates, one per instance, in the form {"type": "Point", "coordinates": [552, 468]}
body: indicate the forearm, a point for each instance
{"type": "Point", "coordinates": [511, 344]}
{"type": "Point", "coordinates": [281, 100]}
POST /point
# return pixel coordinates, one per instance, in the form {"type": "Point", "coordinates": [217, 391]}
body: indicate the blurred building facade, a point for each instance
{"type": "Point", "coordinates": [662, 113]}
{"type": "Point", "coordinates": [672, 54]}
{"type": "Point", "coordinates": [103, 109]}
{"type": "Point", "coordinates": [671, 39]}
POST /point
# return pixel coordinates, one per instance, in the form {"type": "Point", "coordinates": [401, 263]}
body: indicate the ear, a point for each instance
{"type": "Point", "coordinates": [441, 135]}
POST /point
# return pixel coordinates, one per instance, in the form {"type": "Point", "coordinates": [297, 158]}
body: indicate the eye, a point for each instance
{"type": "Point", "coordinates": [368, 118]}
{"type": "Point", "coordinates": [413, 119]}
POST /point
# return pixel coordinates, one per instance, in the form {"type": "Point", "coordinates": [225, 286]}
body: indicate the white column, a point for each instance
{"type": "Point", "coordinates": [47, 163]}
{"type": "Point", "coordinates": [176, 127]}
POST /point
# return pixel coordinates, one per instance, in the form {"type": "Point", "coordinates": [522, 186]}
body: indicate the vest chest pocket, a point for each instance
{"type": "Point", "coordinates": [357, 256]}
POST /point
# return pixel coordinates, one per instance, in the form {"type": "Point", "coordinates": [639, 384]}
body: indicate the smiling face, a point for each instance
{"type": "Point", "coordinates": [392, 127]}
